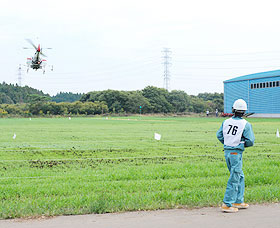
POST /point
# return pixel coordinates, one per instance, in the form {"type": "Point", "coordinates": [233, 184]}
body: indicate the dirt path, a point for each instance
{"type": "Point", "coordinates": [257, 216]}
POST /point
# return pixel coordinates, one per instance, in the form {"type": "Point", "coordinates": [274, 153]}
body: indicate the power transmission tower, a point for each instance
{"type": "Point", "coordinates": [166, 64]}
{"type": "Point", "coordinates": [19, 75]}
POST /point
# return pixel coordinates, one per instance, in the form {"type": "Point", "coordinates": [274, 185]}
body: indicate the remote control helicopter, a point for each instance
{"type": "Point", "coordinates": [36, 62]}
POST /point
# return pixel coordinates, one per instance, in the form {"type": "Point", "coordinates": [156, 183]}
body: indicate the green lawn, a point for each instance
{"type": "Point", "coordinates": [97, 165]}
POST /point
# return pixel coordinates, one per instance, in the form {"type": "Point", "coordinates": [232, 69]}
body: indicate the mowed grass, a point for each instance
{"type": "Point", "coordinates": [97, 165]}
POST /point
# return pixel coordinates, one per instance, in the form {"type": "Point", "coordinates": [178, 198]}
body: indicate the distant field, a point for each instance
{"type": "Point", "coordinates": [96, 165]}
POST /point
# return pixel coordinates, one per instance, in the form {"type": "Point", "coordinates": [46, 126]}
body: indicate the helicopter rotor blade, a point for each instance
{"type": "Point", "coordinates": [30, 41]}
{"type": "Point", "coordinates": [43, 54]}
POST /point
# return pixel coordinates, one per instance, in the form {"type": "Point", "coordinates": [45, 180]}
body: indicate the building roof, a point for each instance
{"type": "Point", "coordinates": [266, 74]}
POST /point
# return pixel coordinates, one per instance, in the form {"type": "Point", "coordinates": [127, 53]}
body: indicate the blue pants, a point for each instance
{"type": "Point", "coordinates": [235, 186]}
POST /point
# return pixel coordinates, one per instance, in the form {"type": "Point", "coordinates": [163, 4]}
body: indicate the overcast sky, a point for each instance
{"type": "Point", "coordinates": [117, 44]}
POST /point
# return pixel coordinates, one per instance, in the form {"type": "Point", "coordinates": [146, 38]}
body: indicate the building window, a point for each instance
{"type": "Point", "coordinates": [265, 85]}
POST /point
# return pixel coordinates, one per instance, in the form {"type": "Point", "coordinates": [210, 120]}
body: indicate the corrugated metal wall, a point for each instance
{"type": "Point", "coordinates": [234, 91]}
{"type": "Point", "coordinates": [265, 100]}
{"type": "Point", "coordinates": [259, 100]}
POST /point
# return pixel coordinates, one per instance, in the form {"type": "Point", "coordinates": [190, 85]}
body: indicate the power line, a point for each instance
{"type": "Point", "coordinates": [231, 68]}
{"type": "Point", "coordinates": [223, 61]}
{"type": "Point", "coordinates": [233, 54]}
{"type": "Point", "coordinates": [124, 69]}
{"type": "Point", "coordinates": [166, 73]}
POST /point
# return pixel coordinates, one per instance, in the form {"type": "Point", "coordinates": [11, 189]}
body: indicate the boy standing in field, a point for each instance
{"type": "Point", "coordinates": [236, 134]}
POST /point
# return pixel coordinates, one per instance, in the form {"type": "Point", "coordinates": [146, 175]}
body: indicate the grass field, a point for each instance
{"type": "Point", "coordinates": [95, 165]}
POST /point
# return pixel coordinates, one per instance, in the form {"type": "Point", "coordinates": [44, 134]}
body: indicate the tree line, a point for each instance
{"type": "Point", "coordinates": [13, 94]}
{"type": "Point", "coordinates": [155, 100]}
{"type": "Point", "coordinates": [149, 100]}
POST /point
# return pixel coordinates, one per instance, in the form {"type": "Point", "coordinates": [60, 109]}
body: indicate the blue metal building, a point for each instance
{"type": "Point", "coordinates": [261, 91]}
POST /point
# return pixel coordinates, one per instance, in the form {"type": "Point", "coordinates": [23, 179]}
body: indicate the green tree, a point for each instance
{"type": "Point", "coordinates": [197, 105]}
{"type": "Point", "coordinates": [37, 104]}
{"type": "Point", "coordinates": [114, 99]}
{"type": "Point", "coordinates": [179, 100]}
{"type": "Point", "coordinates": [158, 98]}
{"type": "Point", "coordinates": [135, 100]}
{"type": "Point", "coordinates": [66, 97]}
{"type": "Point", "coordinates": [5, 99]}
{"type": "Point", "coordinates": [216, 99]}
{"type": "Point", "coordinates": [17, 93]}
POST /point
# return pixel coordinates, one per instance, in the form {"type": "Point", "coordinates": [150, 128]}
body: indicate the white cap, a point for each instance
{"type": "Point", "coordinates": [240, 105]}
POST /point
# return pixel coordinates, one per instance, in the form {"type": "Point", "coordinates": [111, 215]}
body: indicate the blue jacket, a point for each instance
{"type": "Point", "coordinates": [247, 136]}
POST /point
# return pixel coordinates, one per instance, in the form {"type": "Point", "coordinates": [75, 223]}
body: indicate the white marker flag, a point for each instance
{"type": "Point", "coordinates": [277, 133]}
{"type": "Point", "coordinates": [14, 137]}
{"type": "Point", "coordinates": [157, 136]}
